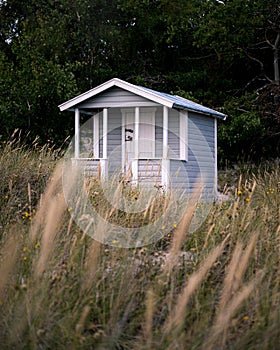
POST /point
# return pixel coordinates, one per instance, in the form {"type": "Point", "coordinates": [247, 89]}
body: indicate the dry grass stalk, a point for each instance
{"type": "Point", "coordinates": [149, 314]}
{"type": "Point", "coordinates": [177, 315]}
{"type": "Point", "coordinates": [224, 316]}
{"type": "Point", "coordinates": [230, 276]}
{"type": "Point", "coordinates": [182, 229]}
{"type": "Point", "coordinates": [57, 207]}
{"type": "Point", "coordinates": [81, 324]}
{"type": "Point", "coordinates": [236, 270]}
{"type": "Point", "coordinates": [208, 235]}
{"type": "Point", "coordinates": [53, 188]}
{"type": "Point", "coordinates": [9, 250]}
{"type": "Point", "coordinates": [91, 263]}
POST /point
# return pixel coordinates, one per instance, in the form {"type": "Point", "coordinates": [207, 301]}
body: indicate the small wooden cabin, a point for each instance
{"type": "Point", "coordinates": [156, 138]}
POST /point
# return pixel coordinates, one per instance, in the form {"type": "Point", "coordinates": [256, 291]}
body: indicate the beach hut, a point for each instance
{"type": "Point", "coordinates": [149, 137]}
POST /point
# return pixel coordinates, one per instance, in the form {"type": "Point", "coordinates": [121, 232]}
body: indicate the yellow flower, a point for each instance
{"type": "Point", "coordinates": [247, 199]}
{"type": "Point", "coordinates": [115, 241]}
{"type": "Point", "coordinates": [174, 225]}
{"type": "Point", "coordinates": [239, 192]}
{"type": "Point", "coordinates": [6, 197]}
{"type": "Point", "coordinates": [26, 214]}
{"type": "Point", "coordinates": [246, 318]}
{"type": "Point", "coordinates": [25, 249]}
{"type": "Point", "coordinates": [37, 245]}
{"type": "Point", "coordinates": [162, 227]}
{"type": "Point", "coordinates": [70, 209]}
{"type": "Point", "coordinates": [24, 258]}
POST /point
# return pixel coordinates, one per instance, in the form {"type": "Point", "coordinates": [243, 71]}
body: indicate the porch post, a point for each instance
{"type": "Point", "coordinates": [77, 133]}
{"type": "Point", "coordinates": [104, 161]}
{"type": "Point", "coordinates": [105, 132]}
{"type": "Point", "coordinates": [165, 133]}
{"type": "Point", "coordinates": [136, 133]}
{"type": "Point", "coordinates": [165, 164]}
{"type": "Point", "coordinates": [134, 163]}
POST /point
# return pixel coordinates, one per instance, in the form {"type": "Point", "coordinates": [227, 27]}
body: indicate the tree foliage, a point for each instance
{"type": "Point", "coordinates": [223, 53]}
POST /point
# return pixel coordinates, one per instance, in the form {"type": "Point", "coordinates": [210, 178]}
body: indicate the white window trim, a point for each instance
{"type": "Point", "coordinates": [183, 116]}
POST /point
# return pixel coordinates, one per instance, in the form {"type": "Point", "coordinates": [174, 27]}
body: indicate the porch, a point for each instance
{"type": "Point", "coordinates": [148, 172]}
{"type": "Point", "coordinates": [133, 143]}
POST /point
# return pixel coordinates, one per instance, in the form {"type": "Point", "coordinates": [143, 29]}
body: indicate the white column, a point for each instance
{"type": "Point", "coordinates": [165, 132]}
{"type": "Point", "coordinates": [136, 132]}
{"type": "Point", "coordinates": [96, 136]}
{"type": "Point", "coordinates": [134, 164]}
{"type": "Point", "coordinates": [105, 132]}
{"type": "Point", "coordinates": [165, 174]}
{"type": "Point", "coordinates": [77, 133]}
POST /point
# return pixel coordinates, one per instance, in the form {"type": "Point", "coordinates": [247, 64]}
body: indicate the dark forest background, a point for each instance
{"type": "Point", "coordinates": [223, 54]}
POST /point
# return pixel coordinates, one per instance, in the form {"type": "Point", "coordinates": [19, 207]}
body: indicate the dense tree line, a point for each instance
{"type": "Point", "coordinates": [222, 53]}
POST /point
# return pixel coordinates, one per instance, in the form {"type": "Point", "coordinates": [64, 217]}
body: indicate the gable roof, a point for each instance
{"type": "Point", "coordinates": [171, 101]}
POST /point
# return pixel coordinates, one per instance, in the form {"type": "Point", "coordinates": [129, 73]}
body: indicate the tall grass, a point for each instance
{"type": "Point", "coordinates": [217, 288]}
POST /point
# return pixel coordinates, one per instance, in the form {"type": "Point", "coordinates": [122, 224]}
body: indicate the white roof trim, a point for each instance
{"type": "Point", "coordinates": [121, 84]}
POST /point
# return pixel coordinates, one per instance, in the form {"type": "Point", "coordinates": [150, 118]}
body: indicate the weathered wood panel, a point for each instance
{"type": "Point", "coordinates": [89, 167]}
{"type": "Point", "coordinates": [149, 171]}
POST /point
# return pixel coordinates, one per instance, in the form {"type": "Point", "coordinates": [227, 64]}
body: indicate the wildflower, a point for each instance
{"type": "Point", "coordinates": [24, 258]}
{"type": "Point", "coordinates": [70, 209]}
{"type": "Point", "coordinates": [6, 197]}
{"type": "Point", "coordinates": [25, 249]}
{"type": "Point", "coordinates": [245, 318]}
{"type": "Point", "coordinates": [187, 275]}
{"type": "Point", "coordinates": [239, 192]}
{"type": "Point", "coordinates": [37, 245]}
{"type": "Point", "coordinates": [26, 214]}
{"type": "Point", "coordinates": [174, 225]}
{"type": "Point", "coordinates": [115, 241]}
{"type": "Point", "coordinates": [247, 199]}
{"type": "Point", "coordinates": [169, 235]}
{"type": "Point", "coordinates": [162, 227]}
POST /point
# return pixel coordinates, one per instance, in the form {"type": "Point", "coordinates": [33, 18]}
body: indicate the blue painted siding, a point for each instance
{"type": "Point", "coordinates": [115, 97]}
{"type": "Point", "coordinates": [201, 148]}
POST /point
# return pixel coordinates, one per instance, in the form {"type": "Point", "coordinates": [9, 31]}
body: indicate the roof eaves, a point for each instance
{"type": "Point", "coordinates": [211, 113]}
{"type": "Point", "coordinates": [146, 93]}
{"type": "Point", "coordinates": [88, 94]}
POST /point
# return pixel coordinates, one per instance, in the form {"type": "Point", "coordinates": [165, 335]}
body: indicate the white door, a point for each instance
{"type": "Point", "coordinates": [146, 141]}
